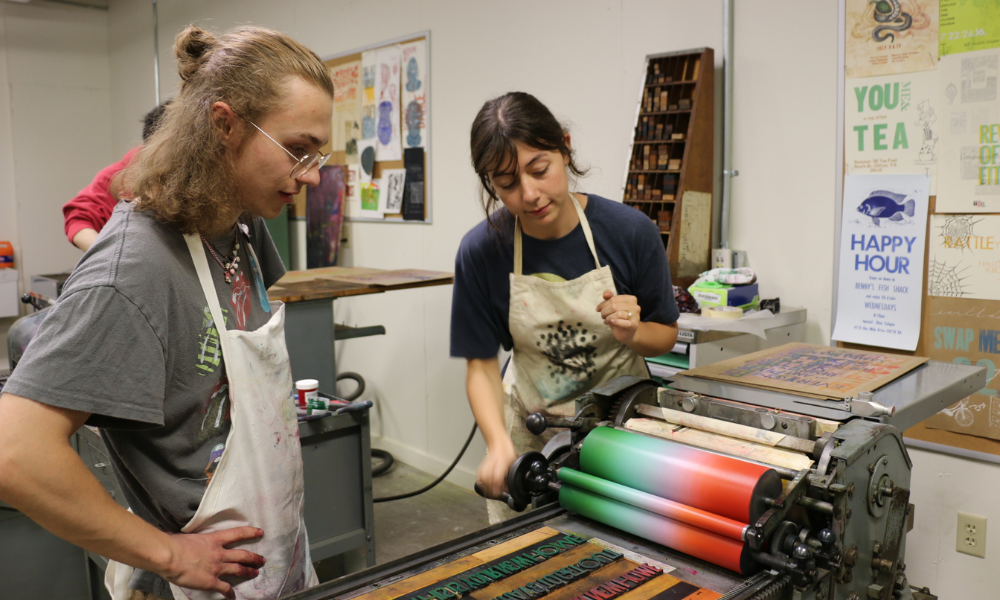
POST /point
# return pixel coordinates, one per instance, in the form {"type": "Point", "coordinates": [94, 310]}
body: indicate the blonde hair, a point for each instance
{"type": "Point", "coordinates": [184, 172]}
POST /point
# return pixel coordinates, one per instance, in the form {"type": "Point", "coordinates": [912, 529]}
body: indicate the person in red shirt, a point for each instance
{"type": "Point", "coordinates": [86, 214]}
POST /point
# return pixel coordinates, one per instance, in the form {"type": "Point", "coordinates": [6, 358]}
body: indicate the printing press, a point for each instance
{"type": "Point", "coordinates": [735, 492]}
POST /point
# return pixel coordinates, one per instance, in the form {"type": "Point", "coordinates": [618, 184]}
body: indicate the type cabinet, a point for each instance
{"type": "Point", "coordinates": [671, 154]}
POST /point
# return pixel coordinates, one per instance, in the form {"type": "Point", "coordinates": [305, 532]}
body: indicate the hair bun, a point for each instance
{"type": "Point", "coordinates": [192, 47]}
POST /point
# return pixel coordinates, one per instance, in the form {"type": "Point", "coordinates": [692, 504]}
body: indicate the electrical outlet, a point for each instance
{"type": "Point", "coordinates": [722, 258]}
{"type": "Point", "coordinates": [971, 538]}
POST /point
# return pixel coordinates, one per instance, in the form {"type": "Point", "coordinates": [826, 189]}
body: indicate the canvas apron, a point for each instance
{"type": "Point", "coordinates": [259, 479]}
{"type": "Point", "coordinates": [562, 348]}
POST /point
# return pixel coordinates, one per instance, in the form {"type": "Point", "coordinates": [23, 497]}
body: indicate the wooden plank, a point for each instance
{"type": "Point", "coordinates": [722, 444]}
{"type": "Point", "coordinates": [734, 430]}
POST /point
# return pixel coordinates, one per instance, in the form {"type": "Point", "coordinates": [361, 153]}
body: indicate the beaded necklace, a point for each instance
{"type": "Point", "coordinates": [232, 260]}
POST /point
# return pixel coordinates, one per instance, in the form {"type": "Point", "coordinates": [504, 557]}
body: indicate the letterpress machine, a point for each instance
{"type": "Point", "coordinates": [745, 493]}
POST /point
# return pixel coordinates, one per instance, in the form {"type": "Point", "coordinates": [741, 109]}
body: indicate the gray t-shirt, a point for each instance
{"type": "Point", "coordinates": [132, 341]}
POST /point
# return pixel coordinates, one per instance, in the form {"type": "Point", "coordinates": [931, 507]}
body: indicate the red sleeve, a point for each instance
{"type": "Point", "coordinates": [93, 205]}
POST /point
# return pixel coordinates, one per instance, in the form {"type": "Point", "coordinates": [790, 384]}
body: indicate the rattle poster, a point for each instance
{"type": "Point", "coordinates": [887, 37]}
{"type": "Point", "coordinates": [964, 331]}
{"type": "Point", "coordinates": [882, 260]}
{"type": "Point", "coordinates": [969, 165]}
{"type": "Point", "coordinates": [964, 257]}
{"type": "Point", "coordinates": [891, 125]}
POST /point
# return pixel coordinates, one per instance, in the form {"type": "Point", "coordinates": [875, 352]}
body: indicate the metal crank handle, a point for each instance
{"type": "Point", "coordinates": [504, 497]}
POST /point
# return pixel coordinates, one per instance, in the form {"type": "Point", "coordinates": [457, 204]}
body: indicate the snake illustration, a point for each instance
{"type": "Point", "coordinates": [890, 11]}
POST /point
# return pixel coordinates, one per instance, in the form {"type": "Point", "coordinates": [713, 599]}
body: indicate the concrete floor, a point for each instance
{"type": "Point", "coordinates": [443, 513]}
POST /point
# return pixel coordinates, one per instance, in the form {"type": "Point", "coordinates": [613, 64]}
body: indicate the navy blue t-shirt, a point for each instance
{"type": "Point", "coordinates": [626, 240]}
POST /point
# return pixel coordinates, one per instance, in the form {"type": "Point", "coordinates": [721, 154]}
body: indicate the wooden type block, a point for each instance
{"type": "Point", "coordinates": [684, 104]}
{"type": "Point", "coordinates": [672, 107]}
{"type": "Point", "coordinates": [677, 136]}
{"type": "Point", "coordinates": [674, 164]}
{"type": "Point", "coordinates": [561, 561]}
{"type": "Point", "coordinates": [442, 573]}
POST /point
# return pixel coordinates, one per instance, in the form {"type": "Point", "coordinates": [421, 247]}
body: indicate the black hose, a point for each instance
{"type": "Point", "coordinates": [357, 378]}
{"type": "Point", "coordinates": [383, 466]}
{"type": "Point", "coordinates": [439, 479]}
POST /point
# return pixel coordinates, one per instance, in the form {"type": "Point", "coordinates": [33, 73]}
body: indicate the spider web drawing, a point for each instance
{"type": "Point", "coordinates": [959, 227]}
{"type": "Point", "coordinates": [943, 280]}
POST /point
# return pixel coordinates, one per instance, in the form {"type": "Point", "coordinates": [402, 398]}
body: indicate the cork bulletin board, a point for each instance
{"type": "Point", "coordinates": [945, 112]}
{"type": "Point", "coordinates": [380, 130]}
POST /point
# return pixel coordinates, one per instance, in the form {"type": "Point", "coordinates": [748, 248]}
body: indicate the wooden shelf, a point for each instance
{"type": "Point", "coordinates": [693, 72]}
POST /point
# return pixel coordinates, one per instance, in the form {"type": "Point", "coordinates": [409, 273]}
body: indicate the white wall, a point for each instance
{"type": "Point", "coordinates": [55, 121]}
{"type": "Point", "coordinates": [75, 83]}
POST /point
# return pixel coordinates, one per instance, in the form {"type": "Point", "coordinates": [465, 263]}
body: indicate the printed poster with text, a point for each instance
{"type": "Point", "coordinates": [347, 109]}
{"type": "Point", "coordinates": [968, 25]}
{"type": "Point", "coordinates": [964, 331]}
{"type": "Point", "coordinates": [969, 161]}
{"type": "Point", "coordinates": [891, 125]}
{"type": "Point", "coordinates": [964, 257]}
{"type": "Point", "coordinates": [887, 37]}
{"type": "Point", "coordinates": [882, 260]}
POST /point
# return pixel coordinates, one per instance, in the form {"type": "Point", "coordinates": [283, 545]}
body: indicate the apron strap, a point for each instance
{"type": "Point", "coordinates": [197, 250]}
{"type": "Point", "coordinates": [587, 233]}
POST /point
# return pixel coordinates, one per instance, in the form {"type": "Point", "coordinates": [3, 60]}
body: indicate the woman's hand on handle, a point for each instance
{"type": "Point", "coordinates": [492, 472]}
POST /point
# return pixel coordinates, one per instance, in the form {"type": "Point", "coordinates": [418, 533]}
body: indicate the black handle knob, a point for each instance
{"type": "Point", "coordinates": [536, 423]}
{"type": "Point", "coordinates": [504, 497]}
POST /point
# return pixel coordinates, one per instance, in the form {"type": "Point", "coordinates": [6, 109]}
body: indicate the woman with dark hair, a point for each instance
{"type": "Point", "coordinates": [164, 338]}
{"type": "Point", "coordinates": [577, 286]}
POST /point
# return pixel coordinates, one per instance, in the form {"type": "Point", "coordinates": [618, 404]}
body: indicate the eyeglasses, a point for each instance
{"type": "Point", "coordinates": [302, 165]}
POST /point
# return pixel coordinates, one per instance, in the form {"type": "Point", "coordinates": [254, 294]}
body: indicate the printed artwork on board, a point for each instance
{"type": "Point", "coordinates": [414, 87]}
{"type": "Point", "coordinates": [346, 127]}
{"type": "Point", "coordinates": [969, 165]}
{"type": "Point", "coordinates": [891, 125]}
{"type": "Point", "coordinates": [387, 77]}
{"type": "Point", "coordinates": [392, 188]}
{"type": "Point", "coordinates": [882, 260]}
{"type": "Point", "coordinates": [964, 257]}
{"type": "Point", "coordinates": [368, 69]}
{"type": "Point", "coordinates": [887, 37]}
{"type": "Point", "coordinates": [967, 331]}
{"type": "Point", "coordinates": [324, 216]}
{"type": "Point", "coordinates": [968, 25]}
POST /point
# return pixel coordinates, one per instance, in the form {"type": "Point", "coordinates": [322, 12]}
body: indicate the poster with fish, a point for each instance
{"type": "Point", "coordinates": [887, 37]}
{"type": "Point", "coordinates": [891, 125]}
{"type": "Point", "coordinates": [964, 331]}
{"type": "Point", "coordinates": [413, 70]}
{"type": "Point", "coordinates": [389, 146]}
{"type": "Point", "coordinates": [964, 257]}
{"type": "Point", "coordinates": [881, 273]}
{"type": "Point", "coordinates": [968, 25]}
{"type": "Point", "coordinates": [969, 160]}
{"type": "Point", "coordinates": [368, 110]}
{"type": "Point", "coordinates": [346, 127]}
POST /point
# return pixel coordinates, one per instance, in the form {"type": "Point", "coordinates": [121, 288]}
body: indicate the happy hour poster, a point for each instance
{"type": "Point", "coordinates": [882, 260]}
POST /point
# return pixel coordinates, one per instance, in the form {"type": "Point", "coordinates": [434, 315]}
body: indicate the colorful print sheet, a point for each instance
{"type": "Point", "coordinates": [969, 162]}
{"type": "Point", "coordinates": [968, 25]}
{"type": "Point", "coordinates": [891, 125]}
{"type": "Point", "coordinates": [964, 257]}
{"type": "Point", "coordinates": [882, 237]}
{"type": "Point", "coordinates": [890, 37]}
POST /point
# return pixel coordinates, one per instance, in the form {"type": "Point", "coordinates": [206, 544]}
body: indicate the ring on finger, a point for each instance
{"type": "Point", "coordinates": [629, 315]}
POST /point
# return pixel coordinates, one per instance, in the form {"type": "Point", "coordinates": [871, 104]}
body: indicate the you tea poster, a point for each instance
{"type": "Point", "coordinates": [882, 239]}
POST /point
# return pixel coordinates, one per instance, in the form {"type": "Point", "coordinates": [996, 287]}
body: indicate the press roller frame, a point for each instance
{"type": "Point", "coordinates": [850, 511]}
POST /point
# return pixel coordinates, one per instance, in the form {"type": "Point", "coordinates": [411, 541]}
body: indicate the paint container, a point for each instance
{"type": "Point", "coordinates": [306, 390]}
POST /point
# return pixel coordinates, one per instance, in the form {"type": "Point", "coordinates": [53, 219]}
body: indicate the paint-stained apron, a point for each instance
{"type": "Point", "coordinates": [259, 479]}
{"type": "Point", "coordinates": [562, 348]}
